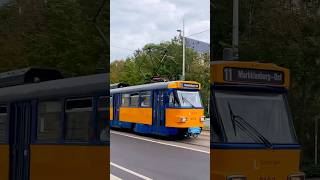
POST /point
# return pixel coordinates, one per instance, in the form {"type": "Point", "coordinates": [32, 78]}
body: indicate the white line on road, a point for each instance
{"type": "Point", "coordinates": [113, 177]}
{"type": "Point", "coordinates": [159, 142]}
{"type": "Point", "coordinates": [129, 171]}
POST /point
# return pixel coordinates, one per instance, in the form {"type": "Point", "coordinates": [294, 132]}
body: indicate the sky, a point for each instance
{"type": "Point", "coordinates": [135, 23]}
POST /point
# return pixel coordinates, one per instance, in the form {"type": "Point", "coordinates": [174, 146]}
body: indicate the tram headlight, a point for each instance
{"type": "Point", "coordinates": [298, 176]}
{"type": "Point", "coordinates": [202, 118]}
{"type": "Point", "coordinates": [237, 177]}
{"type": "Point", "coordinates": [183, 119]}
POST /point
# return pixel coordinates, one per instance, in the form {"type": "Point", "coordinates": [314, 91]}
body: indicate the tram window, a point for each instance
{"type": "Point", "coordinates": [145, 100]}
{"type": "Point", "coordinates": [79, 126]}
{"type": "Point", "coordinates": [134, 100]}
{"type": "Point", "coordinates": [3, 124]}
{"type": "Point", "coordinates": [125, 100]}
{"type": "Point", "coordinates": [111, 101]}
{"type": "Point", "coordinates": [103, 117]}
{"type": "Point", "coordinates": [172, 100]}
{"type": "Point", "coordinates": [49, 115]}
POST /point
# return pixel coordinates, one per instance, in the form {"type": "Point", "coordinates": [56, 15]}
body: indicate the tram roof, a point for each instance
{"type": "Point", "coordinates": [152, 86]}
{"type": "Point", "coordinates": [75, 86]}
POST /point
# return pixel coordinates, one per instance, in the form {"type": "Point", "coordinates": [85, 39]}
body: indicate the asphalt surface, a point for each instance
{"type": "Point", "coordinates": [139, 157]}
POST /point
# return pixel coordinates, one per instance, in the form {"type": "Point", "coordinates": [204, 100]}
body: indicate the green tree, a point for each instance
{"type": "Point", "coordinates": [164, 60]}
{"type": "Point", "coordinates": [54, 33]}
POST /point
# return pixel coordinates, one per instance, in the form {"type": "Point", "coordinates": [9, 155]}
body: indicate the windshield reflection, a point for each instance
{"type": "Point", "coordinates": [248, 116]}
{"type": "Point", "coordinates": [189, 99]}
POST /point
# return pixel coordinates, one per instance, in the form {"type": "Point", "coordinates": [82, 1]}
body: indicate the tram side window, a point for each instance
{"type": "Point", "coordinates": [3, 124]}
{"type": "Point", "coordinates": [145, 99]}
{"type": "Point", "coordinates": [79, 123]}
{"type": "Point", "coordinates": [173, 102]}
{"type": "Point", "coordinates": [125, 100]}
{"type": "Point", "coordinates": [134, 100]}
{"type": "Point", "coordinates": [103, 118]}
{"type": "Point", "coordinates": [49, 115]}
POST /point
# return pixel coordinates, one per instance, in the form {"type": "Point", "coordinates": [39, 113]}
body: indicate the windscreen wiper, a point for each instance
{"type": "Point", "coordinates": [238, 121]}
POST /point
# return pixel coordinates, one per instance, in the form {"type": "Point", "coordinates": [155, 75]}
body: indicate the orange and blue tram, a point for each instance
{"type": "Point", "coordinates": [164, 108]}
{"type": "Point", "coordinates": [252, 133]}
{"type": "Point", "coordinates": [53, 128]}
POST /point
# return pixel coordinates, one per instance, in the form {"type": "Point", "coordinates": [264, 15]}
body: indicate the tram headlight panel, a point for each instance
{"type": "Point", "coordinates": [299, 176]}
{"type": "Point", "coordinates": [202, 118]}
{"type": "Point", "coordinates": [183, 119]}
{"type": "Point", "coordinates": [237, 177]}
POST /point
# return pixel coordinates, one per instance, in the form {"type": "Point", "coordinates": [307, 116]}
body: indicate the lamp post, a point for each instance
{"type": "Point", "coordinates": [316, 142]}
{"type": "Point", "coordinates": [182, 35]}
{"type": "Point", "coordinates": [235, 30]}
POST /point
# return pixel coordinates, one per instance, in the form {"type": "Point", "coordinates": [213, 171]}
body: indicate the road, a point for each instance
{"type": "Point", "coordinates": [136, 157]}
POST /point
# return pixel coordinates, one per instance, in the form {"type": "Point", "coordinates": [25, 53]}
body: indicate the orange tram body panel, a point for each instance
{"type": "Point", "coordinates": [55, 129]}
{"type": "Point", "coordinates": [252, 134]}
{"type": "Point", "coordinates": [164, 108]}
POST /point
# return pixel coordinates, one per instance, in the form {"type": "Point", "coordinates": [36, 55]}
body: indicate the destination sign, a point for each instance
{"type": "Point", "coordinates": [188, 85]}
{"type": "Point", "coordinates": [256, 76]}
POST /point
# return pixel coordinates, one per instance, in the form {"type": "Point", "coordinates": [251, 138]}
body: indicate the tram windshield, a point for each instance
{"type": "Point", "coordinates": [189, 99]}
{"type": "Point", "coordinates": [255, 118]}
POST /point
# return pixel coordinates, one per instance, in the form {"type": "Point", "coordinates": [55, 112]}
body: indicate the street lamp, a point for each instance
{"type": "Point", "coordinates": [235, 30]}
{"type": "Point", "coordinates": [183, 51]}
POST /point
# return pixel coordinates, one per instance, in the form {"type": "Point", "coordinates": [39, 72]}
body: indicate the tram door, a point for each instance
{"type": "Point", "coordinates": [20, 128]}
{"type": "Point", "coordinates": [158, 110]}
{"type": "Point", "coordinates": [116, 109]}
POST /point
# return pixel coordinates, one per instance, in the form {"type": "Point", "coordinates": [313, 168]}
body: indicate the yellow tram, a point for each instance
{"type": "Point", "coordinates": [252, 133]}
{"type": "Point", "coordinates": [164, 108]}
{"type": "Point", "coordinates": [53, 128]}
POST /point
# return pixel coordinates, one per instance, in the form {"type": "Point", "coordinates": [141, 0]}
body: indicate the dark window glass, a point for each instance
{"type": "Point", "coordinates": [103, 118]}
{"type": "Point", "coordinates": [173, 102]}
{"type": "Point", "coordinates": [145, 100]}
{"type": "Point", "coordinates": [134, 100]}
{"type": "Point", "coordinates": [247, 117]}
{"type": "Point", "coordinates": [111, 101]}
{"type": "Point", "coordinates": [125, 100]}
{"type": "Point", "coordinates": [49, 128]}
{"type": "Point", "coordinates": [3, 124]}
{"type": "Point", "coordinates": [79, 126]}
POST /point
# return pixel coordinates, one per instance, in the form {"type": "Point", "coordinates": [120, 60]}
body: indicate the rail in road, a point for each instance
{"type": "Point", "coordinates": [139, 157]}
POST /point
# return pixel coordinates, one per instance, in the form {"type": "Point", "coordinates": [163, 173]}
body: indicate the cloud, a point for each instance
{"type": "Point", "coordinates": [136, 23]}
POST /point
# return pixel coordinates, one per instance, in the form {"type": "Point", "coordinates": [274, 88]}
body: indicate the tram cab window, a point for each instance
{"type": "Point", "coordinates": [79, 124]}
{"type": "Point", "coordinates": [103, 118]}
{"type": "Point", "coordinates": [49, 115]}
{"type": "Point", "coordinates": [125, 100]}
{"type": "Point", "coordinates": [173, 101]}
{"type": "Point", "coordinates": [134, 100]}
{"type": "Point", "coordinates": [145, 99]}
{"type": "Point", "coordinates": [189, 99]}
{"type": "Point", "coordinates": [3, 124]}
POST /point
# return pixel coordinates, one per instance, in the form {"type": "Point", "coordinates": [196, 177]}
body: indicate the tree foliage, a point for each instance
{"type": "Point", "coordinates": [53, 33]}
{"type": "Point", "coordinates": [164, 60]}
